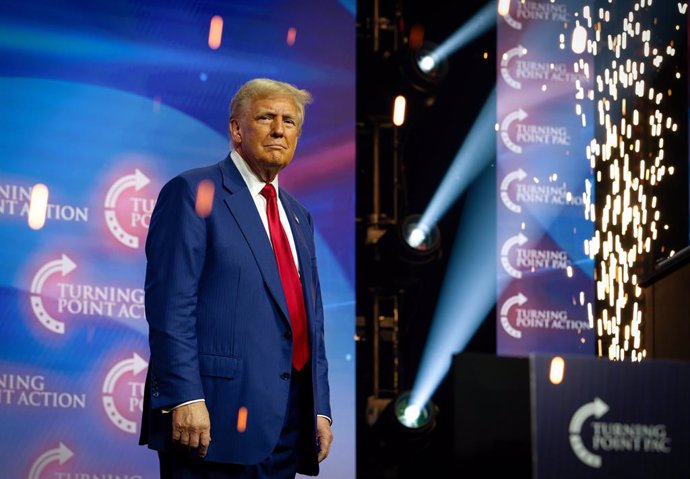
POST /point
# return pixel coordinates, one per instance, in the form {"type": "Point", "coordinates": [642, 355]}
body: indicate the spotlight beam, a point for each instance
{"type": "Point", "coordinates": [468, 292]}
{"type": "Point", "coordinates": [481, 22]}
{"type": "Point", "coordinates": [476, 151]}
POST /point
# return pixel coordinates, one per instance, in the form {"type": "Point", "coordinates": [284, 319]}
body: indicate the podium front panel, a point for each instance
{"type": "Point", "coordinates": [610, 419]}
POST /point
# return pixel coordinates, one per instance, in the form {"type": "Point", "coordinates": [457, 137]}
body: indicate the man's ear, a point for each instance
{"type": "Point", "coordinates": [234, 130]}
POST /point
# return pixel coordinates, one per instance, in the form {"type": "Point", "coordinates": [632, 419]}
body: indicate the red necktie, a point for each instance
{"type": "Point", "coordinates": [290, 279]}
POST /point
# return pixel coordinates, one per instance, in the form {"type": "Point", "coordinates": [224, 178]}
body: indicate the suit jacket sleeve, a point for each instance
{"type": "Point", "coordinates": [175, 252]}
{"type": "Point", "coordinates": [323, 401]}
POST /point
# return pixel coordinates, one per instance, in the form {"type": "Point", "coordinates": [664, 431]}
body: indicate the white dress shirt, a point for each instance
{"type": "Point", "coordinates": [255, 185]}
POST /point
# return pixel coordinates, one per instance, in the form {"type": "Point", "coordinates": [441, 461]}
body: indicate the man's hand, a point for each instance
{"type": "Point", "coordinates": [324, 434]}
{"type": "Point", "coordinates": [191, 427]}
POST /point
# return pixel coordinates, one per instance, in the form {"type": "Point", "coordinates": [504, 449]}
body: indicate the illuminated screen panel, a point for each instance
{"type": "Point", "coordinates": [630, 97]}
{"type": "Point", "coordinates": [544, 276]}
{"type": "Point", "coordinates": [103, 104]}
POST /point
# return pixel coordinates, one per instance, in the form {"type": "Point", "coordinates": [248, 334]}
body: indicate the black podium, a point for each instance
{"type": "Point", "coordinates": [513, 417]}
{"type": "Point", "coordinates": [667, 308]}
{"type": "Point", "coordinates": [491, 397]}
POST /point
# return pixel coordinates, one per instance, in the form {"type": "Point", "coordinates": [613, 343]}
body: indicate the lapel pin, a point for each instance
{"type": "Point", "coordinates": [296, 219]}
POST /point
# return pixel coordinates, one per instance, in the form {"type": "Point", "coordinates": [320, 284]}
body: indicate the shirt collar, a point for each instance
{"type": "Point", "coordinates": [254, 183]}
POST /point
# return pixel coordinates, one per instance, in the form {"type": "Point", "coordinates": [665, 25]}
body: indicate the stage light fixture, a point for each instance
{"type": "Point", "coordinates": [422, 68]}
{"type": "Point", "coordinates": [421, 243]}
{"type": "Point", "coordinates": [412, 416]}
{"type": "Point", "coordinates": [399, 263]}
{"type": "Point", "coordinates": [403, 427]}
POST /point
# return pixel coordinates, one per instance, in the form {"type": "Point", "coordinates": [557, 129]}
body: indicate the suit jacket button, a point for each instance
{"type": "Point", "coordinates": [287, 335]}
{"type": "Point", "coordinates": [285, 376]}
{"type": "Point", "coordinates": [155, 394]}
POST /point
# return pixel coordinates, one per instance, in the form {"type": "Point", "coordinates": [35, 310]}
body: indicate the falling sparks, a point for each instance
{"type": "Point", "coordinates": [556, 370]}
{"type": "Point", "coordinates": [204, 198]}
{"type": "Point", "coordinates": [291, 36]}
{"type": "Point", "coordinates": [399, 107]}
{"type": "Point", "coordinates": [628, 159]}
{"type": "Point", "coordinates": [242, 419]}
{"type": "Point", "coordinates": [38, 206]}
{"type": "Point", "coordinates": [215, 32]}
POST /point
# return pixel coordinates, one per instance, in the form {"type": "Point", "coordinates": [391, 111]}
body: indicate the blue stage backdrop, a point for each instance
{"type": "Point", "coordinates": [103, 102]}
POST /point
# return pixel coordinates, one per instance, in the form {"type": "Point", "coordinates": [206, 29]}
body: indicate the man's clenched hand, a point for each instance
{"type": "Point", "coordinates": [191, 427]}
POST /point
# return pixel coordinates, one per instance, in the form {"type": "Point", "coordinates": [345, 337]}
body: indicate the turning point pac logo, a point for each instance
{"type": "Point", "coordinates": [525, 133]}
{"type": "Point", "coordinates": [536, 11]}
{"type": "Point", "coordinates": [530, 259]}
{"type": "Point", "coordinates": [613, 437]}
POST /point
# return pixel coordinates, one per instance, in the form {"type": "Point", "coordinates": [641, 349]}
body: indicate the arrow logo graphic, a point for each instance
{"type": "Point", "coordinates": [519, 51]}
{"type": "Point", "coordinates": [61, 453]}
{"type": "Point", "coordinates": [518, 299]}
{"type": "Point", "coordinates": [518, 239]}
{"type": "Point", "coordinates": [137, 180]}
{"type": "Point", "coordinates": [518, 175]}
{"type": "Point", "coordinates": [64, 265]}
{"type": "Point", "coordinates": [136, 364]}
{"type": "Point", "coordinates": [505, 124]}
{"type": "Point", "coordinates": [596, 408]}
{"type": "Point", "coordinates": [512, 22]}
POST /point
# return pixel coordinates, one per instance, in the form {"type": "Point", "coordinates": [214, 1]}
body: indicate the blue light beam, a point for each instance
{"type": "Point", "coordinates": [476, 151]}
{"type": "Point", "coordinates": [468, 292]}
{"type": "Point", "coordinates": [481, 22]}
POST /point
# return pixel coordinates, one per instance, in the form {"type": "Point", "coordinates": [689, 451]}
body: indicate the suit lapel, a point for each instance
{"type": "Point", "coordinates": [242, 206]}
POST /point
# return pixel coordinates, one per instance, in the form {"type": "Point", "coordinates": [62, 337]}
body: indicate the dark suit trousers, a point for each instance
{"type": "Point", "coordinates": [296, 439]}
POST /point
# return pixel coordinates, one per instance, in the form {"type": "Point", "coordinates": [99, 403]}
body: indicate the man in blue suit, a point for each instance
{"type": "Point", "coordinates": [237, 385]}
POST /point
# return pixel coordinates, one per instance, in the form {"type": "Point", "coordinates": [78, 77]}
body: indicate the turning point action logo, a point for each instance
{"type": "Point", "coordinates": [614, 437]}
{"type": "Point", "coordinates": [526, 318]}
{"type": "Point", "coordinates": [533, 193]}
{"type": "Point", "coordinates": [137, 214]}
{"type": "Point", "coordinates": [121, 392]}
{"type": "Point", "coordinates": [86, 300]}
{"type": "Point", "coordinates": [538, 71]}
{"type": "Point", "coordinates": [64, 266]}
{"type": "Point", "coordinates": [61, 463]}
{"type": "Point", "coordinates": [60, 454]}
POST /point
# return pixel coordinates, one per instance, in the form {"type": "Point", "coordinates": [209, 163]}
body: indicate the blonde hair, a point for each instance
{"type": "Point", "coordinates": [264, 87]}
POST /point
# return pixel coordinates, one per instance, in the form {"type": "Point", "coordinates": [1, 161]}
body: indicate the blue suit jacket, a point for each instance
{"type": "Point", "coordinates": [218, 319]}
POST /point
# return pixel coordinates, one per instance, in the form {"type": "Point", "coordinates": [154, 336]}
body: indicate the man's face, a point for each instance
{"type": "Point", "coordinates": [266, 134]}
